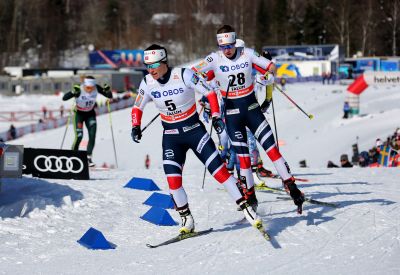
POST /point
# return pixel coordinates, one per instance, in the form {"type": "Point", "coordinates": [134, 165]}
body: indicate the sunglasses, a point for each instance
{"type": "Point", "coordinates": [153, 66]}
{"type": "Point", "coordinates": [226, 47]}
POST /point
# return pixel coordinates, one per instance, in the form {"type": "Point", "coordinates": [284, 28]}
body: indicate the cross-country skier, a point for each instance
{"type": "Point", "coordinates": [227, 151]}
{"type": "Point", "coordinates": [85, 95]}
{"type": "Point", "coordinates": [233, 71]}
{"type": "Point", "coordinates": [172, 91]}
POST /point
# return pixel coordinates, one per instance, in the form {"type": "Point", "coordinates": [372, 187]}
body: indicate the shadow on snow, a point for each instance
{"type": "Point", "coordinates": [19, 197]}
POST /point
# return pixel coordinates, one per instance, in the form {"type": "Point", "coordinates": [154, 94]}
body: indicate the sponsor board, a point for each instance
{"type": "Point", "coordinates": [56, 164]}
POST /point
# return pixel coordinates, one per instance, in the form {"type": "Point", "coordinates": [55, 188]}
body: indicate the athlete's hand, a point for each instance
{"type": "Point", "coordinates": [218, 124]}
{"type": "Point", "coordinates": [106, 87]}
{"type": "Point", "coordinates": [136, 134]}
{"type": "Point", "coordinates": [269, 78]}
{"type": "Point", "coordinates": [76, 89]}
{"type": "Point", "coordinates": [265, 105]}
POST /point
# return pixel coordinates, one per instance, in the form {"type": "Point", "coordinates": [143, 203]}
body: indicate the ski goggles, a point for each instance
{"type": "Point", "coordinates": [88, 88]}
{"type": "Point", "coordinates": [153, 66]}
{"type": "Point", "coordinates": [226, 47]}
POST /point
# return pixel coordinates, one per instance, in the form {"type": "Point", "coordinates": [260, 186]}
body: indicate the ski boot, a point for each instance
{"type": "Point", "coordinates": [249, 194]}
{"type": "Point", "coordinates": [187, 225]}
{"type": "Point", "coordinates": [262, 172]}
{"type": "Point", "coordinates": [90, 162]}
{"type": "Point", "coordinates": [251, 198]}
{"type": "Point", "coordinates": [295, 193]}
{"type": "Point", "coordinates": [249, 213]}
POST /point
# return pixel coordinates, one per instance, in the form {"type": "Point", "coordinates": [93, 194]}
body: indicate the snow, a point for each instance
{"type": "Point", "coordinates": [41, 219]}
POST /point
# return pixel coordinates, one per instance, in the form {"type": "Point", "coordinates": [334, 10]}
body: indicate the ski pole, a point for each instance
{"type": "Point", "coordinates": [205, 166]}
{"type": "Point", "coordinates": [112, 132]}
{"type": "Point", "coordinates": [151, 121]}
{"type": "Point", "coordinates": [276, 130]}
{"type": "Point", "coordinates": [66, 128]}
{"type": "Point", "coordinates": [310, 116]}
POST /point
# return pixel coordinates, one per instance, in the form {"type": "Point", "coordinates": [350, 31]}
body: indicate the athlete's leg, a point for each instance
{"type": "Point", "coordinates": [78, 129]}
{"type": "Point", "coordinates": [174, 155]}
{"type": "Point", "coordinates": [204, 148]}
{"type": "Point", "coordinates": [263, 132]}
{"type": "Point", "coordinates": [238, 136]}
{"type": "Point", "coordinates": [91, 125]}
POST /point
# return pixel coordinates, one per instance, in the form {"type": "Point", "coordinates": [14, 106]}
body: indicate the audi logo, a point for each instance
{"type": "Point", "coordinates": [56, 164]}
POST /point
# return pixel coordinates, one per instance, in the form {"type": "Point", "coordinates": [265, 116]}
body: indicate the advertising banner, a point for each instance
{"type": "Point", "coordinates": [56, 164]}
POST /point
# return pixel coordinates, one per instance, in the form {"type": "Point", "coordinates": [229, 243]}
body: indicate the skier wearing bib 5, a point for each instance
{"type": "Point", "coordinates": [232, 67]}
{"type": "Point", "coordinates": [172, 91]}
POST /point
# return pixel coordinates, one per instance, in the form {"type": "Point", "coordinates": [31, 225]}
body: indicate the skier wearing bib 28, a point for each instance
{"type": "Point", "coordinates": [172, 91]}
{"type": "Point", "coordinates": [233, 71]}
{"type": "Point", "coordinates": [85, 98]}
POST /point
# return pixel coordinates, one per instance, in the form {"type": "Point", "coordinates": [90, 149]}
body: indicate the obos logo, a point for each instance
{"type": "Point", "coordinates": [224, 69]}
{"type": "Point", "coordinates": [156, 94]}
{"type": "Point", "coordinates": [239, 66]}
{"type": "Point", "coordinates": [172, 92]}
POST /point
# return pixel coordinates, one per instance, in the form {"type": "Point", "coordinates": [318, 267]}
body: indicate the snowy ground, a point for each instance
{"type": "Point", "coordinates": [40, 220]}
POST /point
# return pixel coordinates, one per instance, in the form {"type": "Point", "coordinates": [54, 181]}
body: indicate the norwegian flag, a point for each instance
{"type": "Point", "coordinates": [3, 148]}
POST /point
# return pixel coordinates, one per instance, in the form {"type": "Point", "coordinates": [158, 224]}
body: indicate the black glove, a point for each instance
{"type": "Point", "coordinates": [267, 55]}
{"type": "Point", "coordinates": [106, 88]}
{"type": "Point", "coordinates": [136, 134]}
{"type": "Point", "coordinates": [265, 105]}
{"type": "Point", "coordinates": [218, 124]}
{"type": "Point", "coordinates": [297, 196]}
{"type": "Point", "coordinates": [76, 89]}
{"type": "Point", "coordinates": [295, 193]}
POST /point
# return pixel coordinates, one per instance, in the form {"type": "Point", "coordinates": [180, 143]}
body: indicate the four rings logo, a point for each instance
{"type": "Point", "coordinates": [56, 164]}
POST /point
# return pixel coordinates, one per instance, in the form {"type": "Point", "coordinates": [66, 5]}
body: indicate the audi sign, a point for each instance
{"type": "Point", "coordinates": [58, 164]}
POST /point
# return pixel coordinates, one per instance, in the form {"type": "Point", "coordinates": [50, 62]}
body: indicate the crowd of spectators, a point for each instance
{"type": "Point", "coordinates": [383, 154]}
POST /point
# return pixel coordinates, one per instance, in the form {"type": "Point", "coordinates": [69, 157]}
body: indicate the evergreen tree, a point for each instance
{"type": "Point", "coordinates": [262, 26]}
{"type": "Point", "coordinates": [280, 17]}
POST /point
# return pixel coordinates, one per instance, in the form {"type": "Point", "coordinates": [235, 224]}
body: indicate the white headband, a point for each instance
{"type": "Point", "coordinates": [89, 82]}
{"type": "Point", "coordinates": [153, 56]}
{"type": "Point", "coordinates": [226, 38]}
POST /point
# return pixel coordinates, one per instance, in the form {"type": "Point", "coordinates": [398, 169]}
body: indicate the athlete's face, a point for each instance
{"type": "Point", "coordinates": [157, 70]}
{"type": "Point", "coordinates": [228, 50]}
{"type": "Point", "coordinates": [88, 89]}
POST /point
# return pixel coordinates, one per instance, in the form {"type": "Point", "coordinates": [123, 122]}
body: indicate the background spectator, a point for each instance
{"type": "Point", "coordinates": [344, 161]}
{"type": "Point", "coordinates": [346, 110]}
{"type": "Point", "coordinates": [363, 159]}
{"type": "Point", "coordinates": [12, 132]}
{"type": "Point", "coordinates": [61, 110]}
{"type": "Point", "coordinates": [331, 165]}
{"type": "Point", "coordinates": [44, 110]}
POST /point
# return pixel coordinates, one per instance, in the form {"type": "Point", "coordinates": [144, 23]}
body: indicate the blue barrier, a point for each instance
{"type": "Point", "coordinates": [142, 184]}
{"type": "Point", "coordinates": [160, 200]}
{"type": "Point", "coordinates": [94, 239]}
{"type": "Point", "coordinates": [158, 216]}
